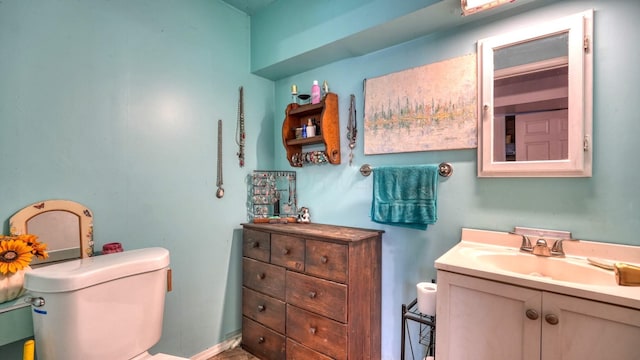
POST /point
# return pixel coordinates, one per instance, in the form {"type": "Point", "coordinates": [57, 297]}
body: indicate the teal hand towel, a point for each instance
{"type": "Point", "coordinates": [405, 195]}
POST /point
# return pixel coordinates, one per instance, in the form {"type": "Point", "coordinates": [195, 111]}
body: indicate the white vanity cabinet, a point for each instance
{"type": "Point", "coordinates": [483, 319]}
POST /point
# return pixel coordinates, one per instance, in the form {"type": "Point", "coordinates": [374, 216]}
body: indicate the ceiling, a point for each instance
{"type": "Point", "coordinates": [249, 7]}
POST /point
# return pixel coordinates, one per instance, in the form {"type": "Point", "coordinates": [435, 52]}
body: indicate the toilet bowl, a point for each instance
{"type": "Point", "coordinates": [100, 308]}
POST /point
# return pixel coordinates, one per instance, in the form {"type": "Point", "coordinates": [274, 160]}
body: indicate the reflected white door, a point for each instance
{"type": "Point", "coordinates": [542, 136]}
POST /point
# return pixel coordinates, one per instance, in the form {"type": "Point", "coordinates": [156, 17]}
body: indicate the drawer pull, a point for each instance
{"type": "Point", "coordinates": [261, 308]}
{"type": "Point", "coordinates": [260, 340]}
{"type": "Point", "coordinates": [312, 294]}
{"type": "Point", "coordinates": [255, 244]}
{"type": "Point", "coordinates": [285, 251]}
{"type": "Point", "coordinates": [552, 319]}
{"type": "Point", "coordinates": [324, 259]}
{"type": "Point", "coordinates": [261, 276]}
{"type": "Point", "coordinates": [532, 314]}
{"type": "Point", "coordinates": [312, 330]}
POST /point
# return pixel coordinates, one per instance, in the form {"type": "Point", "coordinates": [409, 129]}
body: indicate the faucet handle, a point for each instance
{"type": "Point", "coordinates": [557, 249]}
{"type": "Point", "coordinates": [526, 244]}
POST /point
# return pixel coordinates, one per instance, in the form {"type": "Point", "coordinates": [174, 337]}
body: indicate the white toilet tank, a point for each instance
{"type": "Point", "coordinates": [107, 307]}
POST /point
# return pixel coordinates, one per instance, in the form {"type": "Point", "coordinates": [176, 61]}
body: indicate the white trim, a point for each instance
{"type": "Point", "coordinates": [580, 100]}
{"type": "Point", "coordinates": [228, 344]}
{"type": "Point", "coordinates": [474, 6]}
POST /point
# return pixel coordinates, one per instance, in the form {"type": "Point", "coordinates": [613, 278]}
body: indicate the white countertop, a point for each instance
{"type": "Point", "coordinates": [460, 259]}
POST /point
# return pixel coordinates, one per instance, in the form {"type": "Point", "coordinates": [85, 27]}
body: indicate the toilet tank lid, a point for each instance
{"type": "Point", "coordinates": [82, 273]}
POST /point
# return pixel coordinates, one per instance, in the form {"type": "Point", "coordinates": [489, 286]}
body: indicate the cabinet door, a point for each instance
{"type": "Point", "coordinates": [481, 319]}
{"type": "Point", "coordinates": [588, 329]}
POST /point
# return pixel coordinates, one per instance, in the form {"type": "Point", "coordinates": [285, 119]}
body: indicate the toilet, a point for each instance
{"type": "Point", "coordinates": [107, 307]}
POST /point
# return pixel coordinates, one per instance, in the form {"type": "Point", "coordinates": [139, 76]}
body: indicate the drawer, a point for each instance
{"type": "Point", "coordinates": [264, 309]}
{"type": "Point", "coordinates": [327, 260]}
{"type": "Point", "coordinates": [316, 332]}
{"type": "Point", "coordinates": [256, 244]}
{"type": "Point", "coordinates": [287, 251]}
{"type": "Point", "coordinates": [323, 297]}
{"type": "Point", "coordinates": [261, 341]}
{"type": "Point", "coordinates": [262, 277]}
{"type": "Point", "coordinates": [297, 351]}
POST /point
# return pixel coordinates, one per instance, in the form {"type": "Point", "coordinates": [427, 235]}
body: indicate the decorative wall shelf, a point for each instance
{"type": "Point", "coordinates": [325, 115]}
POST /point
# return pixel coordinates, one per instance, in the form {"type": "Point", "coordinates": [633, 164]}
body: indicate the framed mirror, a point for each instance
{"type": "Point", "coordinates": [65, 226]}
{"type": "Point", "coordinates": [535, 100]}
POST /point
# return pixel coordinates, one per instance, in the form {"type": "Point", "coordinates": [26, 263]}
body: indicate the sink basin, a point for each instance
{"type": "Point", "coordinates": [559, 269]}
{"type": "Point", "coordinates": [495, 256]}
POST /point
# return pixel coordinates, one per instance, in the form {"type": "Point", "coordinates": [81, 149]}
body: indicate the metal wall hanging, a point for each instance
{"type": "Point", "coordinates": [352, 127]}
{"type": "Point", "coordinates": [240, 132]}
{"type": "Point", "coordinates": [220, 190]}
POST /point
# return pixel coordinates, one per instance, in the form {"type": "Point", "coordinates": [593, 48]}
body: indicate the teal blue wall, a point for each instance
{"type": "Point", "coordinates": [277, 34]}
{"type": "Point", "coordinates": [605, 207]}
{"type": "Point", "coordinates": [114, 104]}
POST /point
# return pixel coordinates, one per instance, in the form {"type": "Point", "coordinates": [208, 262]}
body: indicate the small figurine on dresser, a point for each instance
{"type": "Point", "coordinates": [303, 215]}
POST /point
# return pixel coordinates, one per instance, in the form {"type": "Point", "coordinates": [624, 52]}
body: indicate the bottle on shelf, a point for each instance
{"type": "Point", "coordinates": [294, 93]}
{"type": "Point", "coordinates": [311, 129]}
{"type": "Point", "coordinates": [315, 92]}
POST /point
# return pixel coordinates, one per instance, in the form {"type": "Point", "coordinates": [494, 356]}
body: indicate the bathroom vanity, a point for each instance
{"type": "Point", "coordinates": [311, 291]}
{"type": "Point", "coordinates": [495, 302]}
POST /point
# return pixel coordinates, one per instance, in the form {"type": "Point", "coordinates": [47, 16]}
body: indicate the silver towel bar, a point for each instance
{"type": "Point", "coordinates": [444, 169]}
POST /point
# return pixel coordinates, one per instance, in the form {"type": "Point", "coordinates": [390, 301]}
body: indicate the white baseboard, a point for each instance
{"type": "Point", "coordinates": [230, 343]}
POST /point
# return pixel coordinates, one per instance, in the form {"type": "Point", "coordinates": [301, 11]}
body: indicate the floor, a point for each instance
{"type": "Point", "coordinates": [234, 354]}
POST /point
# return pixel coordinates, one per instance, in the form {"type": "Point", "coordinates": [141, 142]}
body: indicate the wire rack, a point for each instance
{"type": "Point", "coordinates": [426, 331]}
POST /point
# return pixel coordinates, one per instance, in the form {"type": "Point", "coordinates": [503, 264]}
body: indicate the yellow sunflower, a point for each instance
{"type": "Point", "coordinates": [38, 249]}
{"type": "Point", "coordinates": [14, 255]}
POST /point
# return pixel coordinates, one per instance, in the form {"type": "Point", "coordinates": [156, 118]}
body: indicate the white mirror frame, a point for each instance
{"type": "Point", "coordinates": [578, 164]}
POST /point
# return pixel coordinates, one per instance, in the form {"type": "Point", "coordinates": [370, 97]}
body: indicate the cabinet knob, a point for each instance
{"type": "Point", "coordinates": [261, 276]}
{"type": "Point", "coordinates": [312, 294]}
{"type": "Point", "coordinates": [324, 259]}
{"type": "Point", "coordinates": [552, 319]}
{"type": "Point", "coordinates": [285, 251]}
{"type": "Point", "coordinates": [312, 330]}
{"type": "Point", "coordinates": [261, 308]}
{"type": "Point", "coordinates": [532, 314]}
{"type": "Point", "coordinates": [255, 244]}
{"type": "Point", "coordinates": [260, 340]}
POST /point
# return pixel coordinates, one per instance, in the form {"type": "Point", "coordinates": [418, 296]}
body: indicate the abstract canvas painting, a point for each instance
{"type": "Point", "coordinates": [431, 107]}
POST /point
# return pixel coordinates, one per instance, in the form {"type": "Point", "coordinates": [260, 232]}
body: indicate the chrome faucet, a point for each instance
{"type": "Point", "coordinates": [541, 248]}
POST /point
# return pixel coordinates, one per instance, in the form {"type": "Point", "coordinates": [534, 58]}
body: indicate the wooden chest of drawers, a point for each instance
{"type": "Point", "coordinates": [311, 291]}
